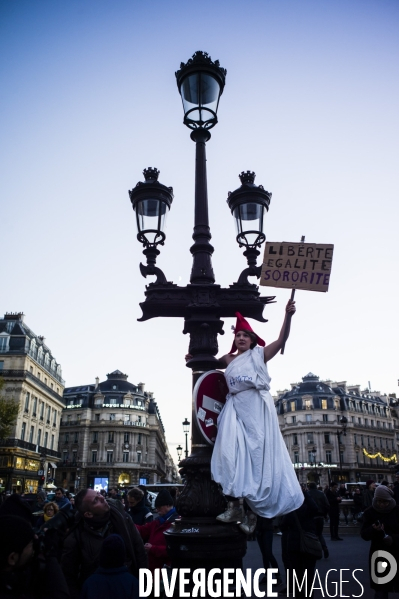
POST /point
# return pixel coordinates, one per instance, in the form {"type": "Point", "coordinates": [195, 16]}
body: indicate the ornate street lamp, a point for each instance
{"type": "Point", "coordinates": [151, 202]}
{"type": "Point", "coordinates": [179, 450]}
{"type": "Point", "coordinates": [186, 429]}
{"type": "Point", "coordinates": [249, 204]}
{"type": "Point", "coordinates": [202, 304]}
{"type": "Point", "coordinates": [201, 83]}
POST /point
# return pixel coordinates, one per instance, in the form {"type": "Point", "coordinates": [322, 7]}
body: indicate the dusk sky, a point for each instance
{"type": "Point", "coordinates": [89, 99]}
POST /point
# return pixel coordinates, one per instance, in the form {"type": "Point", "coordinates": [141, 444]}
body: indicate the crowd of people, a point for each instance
{"type": "Point", "coordinates": [93, 544]}
{"type": "Point", "coordinates": [84, 546]}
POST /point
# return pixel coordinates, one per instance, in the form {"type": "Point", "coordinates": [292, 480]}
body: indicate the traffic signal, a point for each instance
{"type": "Point", "coordinates": [42, 480]}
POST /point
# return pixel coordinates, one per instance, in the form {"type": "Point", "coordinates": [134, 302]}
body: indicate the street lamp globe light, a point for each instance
{"type": "Point", "coordinates": [249, 204]}
{"type": "Point", "coordinates": [200, 82]}
{"type": "Point", "coordinates": [186, 426]}
{"type": "Point", "coordinates": [151, 202]}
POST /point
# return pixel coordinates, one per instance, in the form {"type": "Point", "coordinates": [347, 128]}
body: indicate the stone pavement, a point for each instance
{"type": "Point", "coordinates": [347, 555]}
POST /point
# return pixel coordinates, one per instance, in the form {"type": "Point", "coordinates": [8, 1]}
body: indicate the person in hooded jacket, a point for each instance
{"type": "Point", "coordinates": [137, 509]}
{"type": "Point", "coordinates": [381, 527]}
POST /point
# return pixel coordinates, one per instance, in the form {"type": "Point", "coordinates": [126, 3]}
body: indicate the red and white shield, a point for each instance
{"type": "Point", "coordinates": [209, 398]}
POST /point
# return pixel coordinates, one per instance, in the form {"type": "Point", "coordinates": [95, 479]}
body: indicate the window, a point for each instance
{"type": "Point", "coordinates": [126, 438]}
{"type": "Point", "coordinates": [125, 456]}
{"type": "Point", "coordinates": [45, 380]}
{"type": "Point", "coordinates": [39, 436]}
{"type": "Point", "coordinates": [110, 437]}
{"type": "Point", "coordinates": [38, 375]}
{"type": "Point", "coordinates": [327, 438]}
{"type": "Point", "coordinates": [113, 401]}
{"type": "Point", "coordinates": [55, 418]}
{"type": "Point", "coordinates": [48, 414]}
{"type": "Point", "coordinates": [45, 439]}
{"type": "Point", "coordinates": [112, 416]}
{"type": "Point", "coordinates": [366, 421]}
{"type": "Point", "coordinates": [311, 457]}
{"type": "Point", "coordinates": [293, 406]}
{"type": "Point", "coordinates": [66, 439]}
{"type": "Point", "coordinates": [308, 417]}
{"type": "Point", "coordinates": [372, 422]}
{"type": "Point", "coordinates": [308, 404]}
{"type": "Point", "coordinates": [94, 456]}
{"type": "Point", "coordinates": [328, 457]}
{"type": "Point", "coordinates": [139, 436]}
{"type": "Point", "coordinates": [34, 406]}
{"type": "Point", "coordinates": [74, 457]}
{"type": "Point", "coordinates": [27, 396]}
{"type": "Point", "coordinates": [139, 456]}
{"type": "Point", "coordinates": [95, 437]}
{"type": "Point", "coordinates": [23, 430]}
{"type": "Point", "coordinates": [97, 417]}
{"type": "Point", "coordinates": [325, 417]}
{"type": "Point", "coordinates": [110, 457]}
{"type": "Point", "coordinates": [76, 437]}
{"type": "Point", "coordinates": [341, 456]}
{"type": "Point", "coordinates": [41, 410]}
{"type": "Point", "coordinates": [310, 438]}
{"type": "Point", "coordinates": [296, 457]}
{"type": "Point", "coordinates": [361, 440]}
{"type": "Point", "coordinates": [52, 442]}
{"type": "Point", "coordinates": [295, 440]}
{"type": "Point", "coordinates": [355, 439]}
{"type": "Point", "coordinates": [324, 404]}
{"type": "Point", "coordinates": [359, 420]}
{"type": "Point", "coordinates": [32, 432]}
{"type": "Point", "coordinates": [293, 419]}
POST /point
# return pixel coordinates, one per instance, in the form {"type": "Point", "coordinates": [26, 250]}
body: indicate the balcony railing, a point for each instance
{"type": "Point", "coordinates": [25, 374]}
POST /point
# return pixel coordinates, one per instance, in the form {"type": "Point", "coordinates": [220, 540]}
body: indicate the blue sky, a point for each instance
{"type": "Point", "coordinates": [88, 99]}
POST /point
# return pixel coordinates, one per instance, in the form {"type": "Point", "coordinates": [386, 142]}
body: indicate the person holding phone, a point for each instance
{"type": "Point", "coordinates": [381, 527]}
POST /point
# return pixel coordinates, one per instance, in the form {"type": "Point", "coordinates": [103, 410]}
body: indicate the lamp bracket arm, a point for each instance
{"type": "Point", "coordinates": [153, 270]}
{"type": "Point", "coordinates": [251, 271]}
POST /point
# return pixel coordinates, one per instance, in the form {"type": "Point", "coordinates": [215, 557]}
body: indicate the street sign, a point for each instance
{"type": "Point", "coordinates": [40, 472]}
{"type": "Point", "coordinates": [209, 398]}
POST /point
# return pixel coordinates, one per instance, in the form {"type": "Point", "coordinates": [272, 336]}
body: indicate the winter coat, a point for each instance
{"type": "Point", "coordinates": [367, 498]}
{"type": "Point", "coordinates": [153, 533]}
{"type": "Point", "coordinates": [334, 500]}
{"type": "Point", "coordinates": [391, 527]}
{"type": "Point", "coordinates": [140, 513]}
{"type": "Point", "coordinates": [305, 515]}
{"type": "Point", "coordinates": [111, 582]}
{"type": "Point", "coordinates": [82, 546]}
{"type": "Point", "coordinates": [321, 501]}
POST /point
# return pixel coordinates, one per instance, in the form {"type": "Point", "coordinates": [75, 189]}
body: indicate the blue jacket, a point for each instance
{"type": "Point", "coordinates": [111, 582]}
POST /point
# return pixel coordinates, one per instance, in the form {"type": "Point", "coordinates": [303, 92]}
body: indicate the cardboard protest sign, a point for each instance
{"type": "Point", "coordinates": [297, 265]}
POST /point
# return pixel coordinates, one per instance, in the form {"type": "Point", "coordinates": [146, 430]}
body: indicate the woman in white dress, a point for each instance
{"type": "Point", "coordinates": [250, 459]}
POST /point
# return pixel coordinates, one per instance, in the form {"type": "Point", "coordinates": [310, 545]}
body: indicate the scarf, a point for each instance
{"type": "Point", "coordinates": [162, 519]}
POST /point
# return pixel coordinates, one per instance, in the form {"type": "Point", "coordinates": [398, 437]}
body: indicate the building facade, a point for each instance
{"type": "Point", "coordinates": [338, 432]}
{"type": "Point", "coordinates": [112, 434]}
{"type": "Point", "coordinates": [33, 378]}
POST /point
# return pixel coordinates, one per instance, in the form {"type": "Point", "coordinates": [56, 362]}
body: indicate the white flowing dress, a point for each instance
{"type": "Point", "coordinates": [250, 458]}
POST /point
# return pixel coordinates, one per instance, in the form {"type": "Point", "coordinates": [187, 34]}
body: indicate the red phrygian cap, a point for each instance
{"type": "Point", "coordinates": [243, 325]}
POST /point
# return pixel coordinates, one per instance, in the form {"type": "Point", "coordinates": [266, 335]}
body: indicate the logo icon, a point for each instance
{"type": "Point", "coordinates": [383, 567]}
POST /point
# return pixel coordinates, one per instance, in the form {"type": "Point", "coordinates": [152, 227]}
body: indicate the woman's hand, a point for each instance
{"type": "Point", "coordinates": [188, 357]}
{"type": "Point", "coordinates": [290, 307]}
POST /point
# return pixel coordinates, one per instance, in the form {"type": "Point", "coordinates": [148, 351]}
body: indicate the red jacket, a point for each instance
{"type": "Point", "coordinates": [153, 533]}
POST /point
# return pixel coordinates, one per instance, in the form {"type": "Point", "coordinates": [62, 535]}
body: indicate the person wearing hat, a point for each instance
{"type": "Point", "coordinates": [250, 459]}
{"type": "Point", "coordinates": [112, 578]}
{"type": "Point", "coordinates": [381, 527]}
{"type": "Point", "coordinates": [152, 533]}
